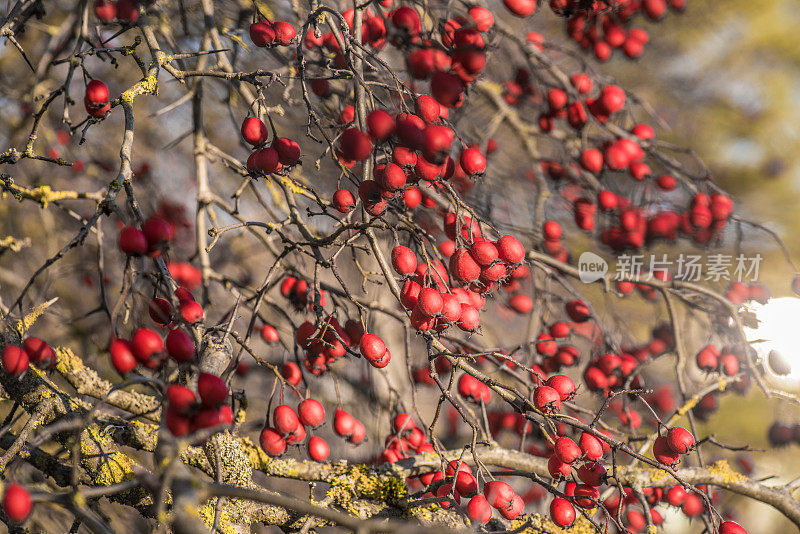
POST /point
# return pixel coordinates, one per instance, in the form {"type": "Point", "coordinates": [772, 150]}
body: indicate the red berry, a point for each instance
{"type": "Point", "coordinates": [343, 423]}
{"type": "Point", "coordinates": [478, 509]}
{"type": "Point", "coordinates": [552, 231]}
{"type": "Point", "coordinates": [96, 94]}
{"type": "Point", "coordinates": [158, 233]}
{"type": "Point", "coordinates": [145, 343]}
{"type": "Point", "coordinates": [180, 398]}
{"type": "Point", "coordinates": [272, 442]}
{"type": "Point", "coordinates": [180, 346]}
{"type": "Point", "coordinates": [343, 201]}
{"type": "Point", "coordinates": [557, 468]}
{"type": "Point", "coordinates": [261, 34]}
{"type": "Point", "coordinates": [380, 124]}
{"type": "Point", "coordinates": [358, 434]}
{"type": "Point", "coordinates": [254, 131]}
{"type": "Point", "coordinates": [284, 33]}
{"type": "Point", "coordinates": [499, 494]}
{"type": "Point", "coordinates": [17, 502]}
{"type": "Point", "coordinates": [15, 360]}
{"type": "Point", "coordinates": [521, 304]}
{"type": "Point", "coordinates": [578, 311]}
{"type": "Point", "coordinates": [472, 161]}
{"type": "Point", "coordinates": [680, 440]}
{"type": "Point", "coordinates": [291, 372]}
{"type": "Point", "coordinates": [128, 10]}
{"type": "Point", "coordinates": [612, 99]}
{"type": "Point", "coordinates": [515, 509]}
{"type": "Point", "coordinates": [132, 241]}
{"type": "Point", "coordinates": [160, 311]}
{"type": "Point", "coordinates": [676, 495]}
{"type": "Point", "coordinates": [547, 399]}
{"type": "Point", "coordinates": [430, 301]}
{"type": "Point", "coordinates": [563, 385]}
{"type": "Point", "coordinates": [482, 17]}
{"type": "Point", "coordinates": [372, 347]}
{"type": "Point", "coordinates": [437, 141]}
{"type": "Point", "coordinates": [105, 10]}
{"type": "Point", "coordinates": [265, 160]}
{"type": "Point", "coordinates": [591, 446]}
{"type": "Point", "coordinates": [731, 527]}
{"type": "Point", "coordinates": [288, 151]}
{"type": "Point", "coordinates": [404, 261]}
{"type": "Point", "coordinates": [592, 160]}
{"type": "Point", "coordinates": [318, 449]}
{"type": "Point", "coordinates": [122, 357]}
{"type": "Point", "coordinates": [510, 249]}
{"type": "Point", "coordinates": [177, 423]}
{"type": "Point", "coordinates": [692, 505]}
{"type": "Point", "coordinates": [662, 452]}
{"type": "Point", "coordinates": [427, 108]}
{"type": "Point", "coordinates": [212, 390]}
{"type": "Point", "coordinates": [521, 8]}
{"type": "Point", "coordinates": [566, 450]}
{"type": "Point", "coordinates": [39, 353]}
{"type": "Point", "coordinates": [285, 419]}
{"type": "Point", "coordinates": [562, 512]}
{"type": "Point", "coordinates": [191, 311]}
{"type": "Point", "coordinates": [269, 334]}
{"type": "Point", "coordinates": [311, 413]}
{"type": "Point", "coordinates": [355, 145]}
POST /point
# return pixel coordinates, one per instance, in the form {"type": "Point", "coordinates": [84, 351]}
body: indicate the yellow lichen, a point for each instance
{"type": "Point", "coordinates": [209, 510]}
{"type": "Point", "coordinates": [104, 467]}
{"type": "Point", "coordinates": [691, 403]}
{"type": "Point", "coordinates": [722, 383]}
{"type": "Point", "coordinates": [657, 475]}
{"type": "Point", "coordinates": [13, 244]}
{"type": "Point", "coordinates": [44, 194]}
{"type": "Point", "coordinates": [722, 469]}
{"type": "Point", "coordinates": [147, 86]}
{"type": "Point", "coordinates": [538, 524]}
{"type": "Point", "coordinates": [28, 321]}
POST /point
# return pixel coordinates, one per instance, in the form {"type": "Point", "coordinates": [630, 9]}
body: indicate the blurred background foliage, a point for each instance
{"type": "Point", "coordinates": [725, 78]}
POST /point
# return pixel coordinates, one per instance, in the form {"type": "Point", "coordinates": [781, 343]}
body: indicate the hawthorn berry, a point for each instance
{"type": "Point", "coordinates": [318, 449]}
{"type": "Point", "coordinates": [17, 503]}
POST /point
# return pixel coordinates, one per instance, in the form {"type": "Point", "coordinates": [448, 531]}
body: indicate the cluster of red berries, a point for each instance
{"type": "Point", "coordinates": [373, 33]}
{"type": "Point", "coordinates": [146, 346]}
{"type": "Point", "coordinates": [610, 371]}
{"type": "Point", "coordinates": [300, 294]}
{"type": "Point", "coordinates": [155, 235]}
{"type": "Point", "coordinates": [289, 428]}
{"type": "Point", "coordinates": [34, 351]}
{"type": "Point", "coordinates": [739, 293]}
{"type": "Point", "coordinates": [404, 440]}
{"type": "Point", "coordinates": [266, 33]}
{"type": "Point", "coordinates": [668, 449]}
{"type": "Point", "coordinates": [186, 414]}
{"type": "Point", "coordinates": [455, 482]}
{"type": "Point", "coordinates": [605, 25]}
{"type": "Point", "coordinates": [122, 10]}
{"type": "Point", "coordinates": [95, 99]}
{"type": "Point", "coordinates": [420, 150]}
{"type": "Point", "coordinates": [434, 295]}
{"type": "Point", "coordinates": [330, 342]}
{"type": "Point", "coordinates": [282, 154]}
{"type": "Point", "coordinates": [727, 360]}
